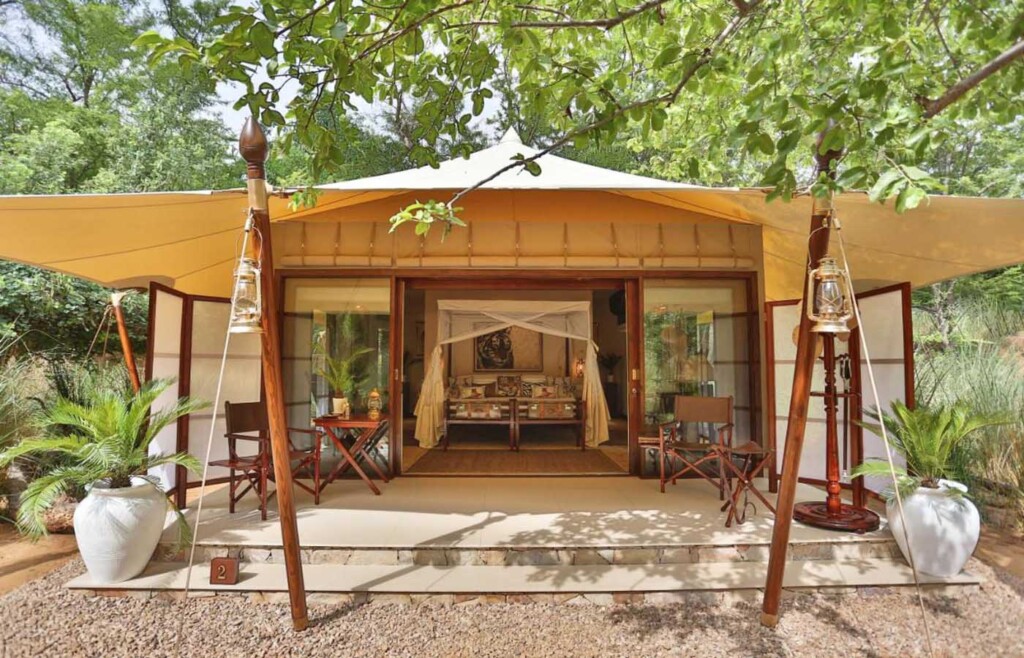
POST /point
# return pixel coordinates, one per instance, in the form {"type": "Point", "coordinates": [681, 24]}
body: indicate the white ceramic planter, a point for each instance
{"type": "Point", "coordinates": [117, 530]}
{"type": "Point", "coordinates": [341, 407]}
{"type": "Point", "coordinates": [943, 529]}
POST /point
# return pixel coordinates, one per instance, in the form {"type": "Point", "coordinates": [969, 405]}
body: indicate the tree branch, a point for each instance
{"type": "Point", "coordinates": [604, 23]}
{"type": "Point", "coordinates": [667, 98]}
{"type": "Point", "coordinates": [954, 93]}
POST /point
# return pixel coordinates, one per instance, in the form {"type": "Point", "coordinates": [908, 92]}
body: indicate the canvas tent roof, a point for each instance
{"type": "Point", "coordinates": [188, 239]}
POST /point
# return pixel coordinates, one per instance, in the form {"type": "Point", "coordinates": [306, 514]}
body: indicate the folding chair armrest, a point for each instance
{"type": "Point", "coordinates": [245, 437]}
{"type": "Point", "coordinates": [725, 429]}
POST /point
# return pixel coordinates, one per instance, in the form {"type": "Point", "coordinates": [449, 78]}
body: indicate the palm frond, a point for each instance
{"type": "Point", "coordinates": [68, 445]}
{"type": "Point", "coordinates": [44, 491]}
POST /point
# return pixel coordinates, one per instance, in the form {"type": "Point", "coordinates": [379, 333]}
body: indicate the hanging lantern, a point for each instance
{"type": "Point", "coordinates": [247, 297]}
{"type": "Point", "coordinates": [578, 368]}
{"type": "Point", "coordinates": [374, 403]}
{"type": "Point", "coordinates": [829, 295]}
{"type": "Point", "coordinates": [247, 300]}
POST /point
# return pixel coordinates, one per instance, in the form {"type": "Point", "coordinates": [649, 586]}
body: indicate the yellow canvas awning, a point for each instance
{"type": "Point", "coordinates": [188, 240]}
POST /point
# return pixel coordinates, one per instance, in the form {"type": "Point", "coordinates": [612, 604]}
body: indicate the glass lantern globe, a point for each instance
{"type": "Point", "coordinates": [374, 404]}
{"type": "Point", "coordinates": [247, 300]}
{"type": "Point", "coordinates": [829, 293]}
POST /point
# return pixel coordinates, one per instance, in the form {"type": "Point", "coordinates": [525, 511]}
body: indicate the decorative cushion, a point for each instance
{"type": "Point", "coordinates": [509, 385]}
{"type": "Point", "coordinates": [491, 390]}
{"type": "Point", "coordinates": [545, 392]}
{"type": "Point", "coordinates": [471, 392]}
{"type": "Point", "coordinates": [526, 389]}
{"type": "Point", "coordinates": [554, 410]}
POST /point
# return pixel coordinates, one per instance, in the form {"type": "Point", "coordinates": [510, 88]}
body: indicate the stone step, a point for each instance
{"type": "Point", "coordinates": [597, 583]}
{"type": "Point", "coordinates": [849, 548]}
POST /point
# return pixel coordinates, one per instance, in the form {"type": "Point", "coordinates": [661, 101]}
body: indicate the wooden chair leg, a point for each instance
{"type": "Point", "coordinates": [263, 492]}
{"type": "Point", "coordinates": [316, 477]}
{"type": "Point", "coordinates": [232, 487]}
{"type": "Point", "coordinates": [661, 468]}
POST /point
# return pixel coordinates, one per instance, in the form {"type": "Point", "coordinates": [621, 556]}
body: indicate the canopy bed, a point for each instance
{"type": "Point", "coordinates": [463, 320]}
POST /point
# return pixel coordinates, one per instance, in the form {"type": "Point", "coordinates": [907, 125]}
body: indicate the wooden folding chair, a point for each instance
{"type": "Point", "coordinates": [247, 421]}
{"type": "Point", "coordinates": [672, 443]}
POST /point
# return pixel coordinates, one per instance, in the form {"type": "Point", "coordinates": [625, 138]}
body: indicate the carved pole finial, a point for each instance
{"type": "Point", "coordinates": [252, 144]}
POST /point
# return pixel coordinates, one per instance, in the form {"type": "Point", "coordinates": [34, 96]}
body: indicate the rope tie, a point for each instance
{"type": "Point", "coordinates": [615, 243]}
{"type": "Point", "coordinates": [661, 242]}
{"type": "Point", "coordinates": [517, 243]}
{"type": "Point", "coordinates": [696, 241]}
{"type": "Point", "coordinates": [373, 241]}
{"type": "Point", "coordinates": [732, 247]}
{"type": "Point", "coordinates": [337, 242]}
{"type": "Point", "coordinates": [565, 244]}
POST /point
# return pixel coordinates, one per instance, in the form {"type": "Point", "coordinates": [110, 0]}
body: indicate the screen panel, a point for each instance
{"type": "Point", "coordinates": [166, 309]}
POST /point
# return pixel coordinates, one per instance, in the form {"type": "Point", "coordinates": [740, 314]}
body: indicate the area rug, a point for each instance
{"type": "Point", "coordinates": [525, 462]}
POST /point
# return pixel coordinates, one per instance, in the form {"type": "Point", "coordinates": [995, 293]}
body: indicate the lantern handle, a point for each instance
{"type": "Point", "coordinates": [248, 229]}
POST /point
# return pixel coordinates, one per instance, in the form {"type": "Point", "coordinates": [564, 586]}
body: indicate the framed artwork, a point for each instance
{"type": "Point", "coordinates": [511, 349]}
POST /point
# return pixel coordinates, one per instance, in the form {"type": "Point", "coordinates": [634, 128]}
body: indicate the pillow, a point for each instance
{"type": "Point", "coordinates": [471, 392]}
{"type": "Point", "coordinates": [491, 390]}
{"type": "Point", "coordinates": [464, 380]}
{"type": "Point", "coordinates": [535, 379]}
{"type": "Point", "coordinates": [545, 392]}
{"type": "Point", "coordinates": [526, 390]}
{"type": "Point", "coordinates": [508, 386]}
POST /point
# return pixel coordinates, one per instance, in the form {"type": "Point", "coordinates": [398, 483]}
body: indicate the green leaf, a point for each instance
{"type": "Point", "coordinates": [262, 39]}
{"type": "Point", "coordinates": [667, 54]}
{"type": "Point", "coordinates": [339, 30]}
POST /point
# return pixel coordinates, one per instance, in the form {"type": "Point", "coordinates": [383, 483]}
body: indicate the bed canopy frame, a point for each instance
{"type": "Point", "coordinates": [570, 320]}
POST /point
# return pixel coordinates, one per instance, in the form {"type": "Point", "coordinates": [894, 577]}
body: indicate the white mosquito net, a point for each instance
{"type": "Point", "coordinates": [570, 320]}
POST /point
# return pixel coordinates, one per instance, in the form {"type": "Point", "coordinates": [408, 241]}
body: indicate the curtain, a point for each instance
{"type": "Point", "coordinates": [570, 320]}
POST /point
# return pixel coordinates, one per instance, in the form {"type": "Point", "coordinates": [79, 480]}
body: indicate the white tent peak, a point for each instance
{"type": "Point", "coordinates": [557, 173]}
{"type": "Point", "coordinates": [510, 137]}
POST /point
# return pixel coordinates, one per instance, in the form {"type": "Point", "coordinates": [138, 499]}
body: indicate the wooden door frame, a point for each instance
{"type": "Point", "coordinates": [631, 280]}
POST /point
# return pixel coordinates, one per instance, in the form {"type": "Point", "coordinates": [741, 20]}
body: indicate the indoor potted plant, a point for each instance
{"type": "Point", "coordinates": [344, 378]}
{"type": "Point", "coordinates": [105, 448]}
{"type": "Point", "coordinates": [942, 525]}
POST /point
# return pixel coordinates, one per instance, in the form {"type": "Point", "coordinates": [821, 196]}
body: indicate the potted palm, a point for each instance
{"type": "Point", "coordinates": [104, 444]}
{"type": "Point", "coordinates": [942, 525]}
{"type": "Point", "coordinates": [344, 378]}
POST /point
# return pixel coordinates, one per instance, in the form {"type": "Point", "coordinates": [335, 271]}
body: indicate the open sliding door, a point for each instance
{"type": "Point", "coordinates": [889, 332]}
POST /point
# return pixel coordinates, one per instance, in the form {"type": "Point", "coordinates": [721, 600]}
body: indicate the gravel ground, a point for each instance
{"type": "Point", "coordinates": [43, 619]}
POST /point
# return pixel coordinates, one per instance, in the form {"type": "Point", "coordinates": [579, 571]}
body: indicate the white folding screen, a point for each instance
{"type": "Point", "coordinates": [186, 344]}
{"type": "Point", "coordinates": [888, 333]}
{"type": "Point", "coordinates": [209, 325]}
{"type": "Point", "coordinates": [166, 316]}
{"type": "Point", "coordinates": [886, 328]}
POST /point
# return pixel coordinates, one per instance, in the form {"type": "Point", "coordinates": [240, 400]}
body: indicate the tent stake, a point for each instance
{"type": "Point", "coordinates": [252, 144]}
{"type": "Point", "coordinates": [817, 247]}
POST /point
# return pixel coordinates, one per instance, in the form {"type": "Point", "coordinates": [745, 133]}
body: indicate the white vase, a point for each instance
{"type": "Point", "coordinates": [340, 407]}
{"type": "Point", "coordinates": [943, 528]}
{"type": "Point", "coordinates": [117, 530]}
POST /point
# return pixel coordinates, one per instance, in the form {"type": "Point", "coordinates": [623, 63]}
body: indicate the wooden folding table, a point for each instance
{"type": "Point", "coordinates": [368, 429]}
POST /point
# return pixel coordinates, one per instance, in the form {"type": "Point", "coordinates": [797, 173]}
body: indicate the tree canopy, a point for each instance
{"type": "Point", "coordinates": [726, 89]}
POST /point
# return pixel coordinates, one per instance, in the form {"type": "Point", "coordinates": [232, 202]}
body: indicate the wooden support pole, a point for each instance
{"type": "Point", "coordinates": [806, 354]}
{"type": "Point", "coordinates": [253, 146]}
{"type": "Point", "coordinates": [126, 342]}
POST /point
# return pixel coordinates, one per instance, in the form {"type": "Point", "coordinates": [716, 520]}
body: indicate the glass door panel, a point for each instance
{"type": "Point", "coordinates": [339, 324]}
{"type": "Point", "coordinates": [696, 343]}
